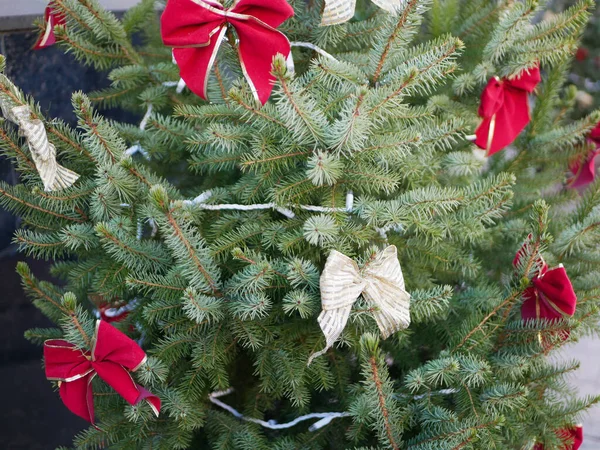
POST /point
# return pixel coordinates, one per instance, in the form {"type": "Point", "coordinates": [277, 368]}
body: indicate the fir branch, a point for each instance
{"type": "Point", "coordinates": [408, 9]}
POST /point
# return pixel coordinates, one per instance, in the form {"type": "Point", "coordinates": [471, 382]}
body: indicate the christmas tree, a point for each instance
{"type": "Point", "coordinates": [322, 225]}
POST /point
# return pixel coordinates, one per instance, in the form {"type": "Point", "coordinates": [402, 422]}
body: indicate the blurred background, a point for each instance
{"type": "Point", "coordinates": [32, 416]}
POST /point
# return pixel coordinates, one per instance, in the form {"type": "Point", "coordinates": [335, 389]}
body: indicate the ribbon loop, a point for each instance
{"type": "Point", "coordinates": [112, 358]}
{"type": "Point", "coordinates": [380, 282]}
{"type": "Point", "coordinates": [340, 11]}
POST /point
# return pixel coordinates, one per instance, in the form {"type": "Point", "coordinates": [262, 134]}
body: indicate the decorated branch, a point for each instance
{"type": "Point", "coordinates": [301, 232]}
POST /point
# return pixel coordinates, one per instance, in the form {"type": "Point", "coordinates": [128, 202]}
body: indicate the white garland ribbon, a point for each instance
{"type": "Point", "coordinates": [135, 148]}
{"type": "Point", "coordinates": [200, 202]}
{"type": "Point", "coordinates": [317, 49]}
{"type": "Point", "coordinates": [325, 418]}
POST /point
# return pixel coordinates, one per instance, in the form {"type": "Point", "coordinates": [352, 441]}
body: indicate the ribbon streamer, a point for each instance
{"type": "Point", "coordinates": [51, 19]}
{"type": "Point", "coordinates": [54, 176]}
{"type": "Point", "coordinates": [583, 169]}
{"type": "Point", "coordinates": [112, 358]}
{"type": "Point", "coordinates": [380, 282]}
{"type": "Point", "coordinates": [340, 11]}
{"type": "Point", "coordinates": [505, 110]}
{"type": "Point", "coordinates": [196, 28]}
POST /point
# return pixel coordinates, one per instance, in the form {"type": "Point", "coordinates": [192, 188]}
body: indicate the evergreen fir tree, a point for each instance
{"type": "Point", "coordinates": [373, 129]}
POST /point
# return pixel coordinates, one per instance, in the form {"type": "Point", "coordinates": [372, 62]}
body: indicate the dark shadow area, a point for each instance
{"type": "Point", "coordinates": [32, 415]}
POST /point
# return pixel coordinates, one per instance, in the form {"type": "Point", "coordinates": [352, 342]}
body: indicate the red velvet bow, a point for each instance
{"type": "Point", "coordinates": [505, 110]}
{"type": "Point", "coordinates": [584, 172]}
{"type": "Point", "coordinates": [572, 435]}
{"type": "Point", "coordinates": [112, 357]}
{"type": "Point", "coordinates": [51, 19]}
{"type": "Point", "coordinates": [551, 297]}
{"type": "Point", "coordinates": [195, 28]}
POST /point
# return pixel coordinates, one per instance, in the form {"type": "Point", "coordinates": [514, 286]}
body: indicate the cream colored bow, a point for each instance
{"type": "Point", "coordinates": [380, 282]}
{"type": "Point", "coordinates": [340, 11]}
{"type": "Point", "coordinates": [53, 175]}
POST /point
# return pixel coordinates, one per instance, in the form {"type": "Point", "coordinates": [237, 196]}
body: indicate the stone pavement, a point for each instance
{"type": "Point", "coordinates": [587, 380]}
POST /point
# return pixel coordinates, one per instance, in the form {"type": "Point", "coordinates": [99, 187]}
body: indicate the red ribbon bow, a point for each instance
{"type": "Point", "coordinates": [113, 356]}
{"type": "Point", "coordinates": [195, 28]}
{"type": "Point", "coordinates": [551, 297]}
{"type": "Point", "coordinates": [573, 435]}
{"type": "Point", "coordinates": [584, 172]}
{"type": "Point", "coordinates": [505, 110]}
{"type": "Point", "coordinates": [51, 19]}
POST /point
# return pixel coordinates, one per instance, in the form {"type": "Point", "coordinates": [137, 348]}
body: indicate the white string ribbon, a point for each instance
{"type": "Point", "coordinates": [200, 202]}
{"type": "Point", "coordinates": [325, 418]}
{"type": "Point", "coordinates": [180, 85]}
{"type": "Point", "coordinates": [135, 148]}
{"type": "Point", "coordinates": [319, 50]}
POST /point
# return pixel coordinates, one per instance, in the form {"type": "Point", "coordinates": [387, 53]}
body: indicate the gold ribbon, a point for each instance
{"type": "Point", "coordinates": [492, 129]}
{"type": "Point", "coordinates": [54, 176]}
{"type": "Point", "coordinates": [340, 11]}
{"type": "Point", "coordinates": [381, 284]}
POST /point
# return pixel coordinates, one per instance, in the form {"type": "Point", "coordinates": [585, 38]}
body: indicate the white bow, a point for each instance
{"type": "Point", "coordinates": [53, 175]}
{"type": "Point", "coordinates": [380, 282]}
{"type": "Point", "coordinates": [340, 11]}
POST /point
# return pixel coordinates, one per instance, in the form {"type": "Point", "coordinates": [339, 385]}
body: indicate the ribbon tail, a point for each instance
{"type": "Point", "coordinates": [78, 397]}
{"type": "Point", "coordinates": [63, 179]}
{"type": "Point", "coordinates": [119, 378]}
{"type": "Point", "coordinates": [47, 38]}
{"type": "Point", "coordinates": [332, 322]}
{"type": "Point", "coordinates": [259, 44]}
{"type": "Point", "coordinates": [195, 63]}
{"type": "Point", "coordinates": [150, 398]}
{"type": "Point", "coordinates": [390, 6]}
{"type": "Point", "coordinates": [43, 152]}
{"type": "Point", "coordinates": [391, 320]}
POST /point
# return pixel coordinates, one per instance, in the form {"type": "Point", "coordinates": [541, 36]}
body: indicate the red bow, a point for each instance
{"type": "Point", "coordinates": [195, 28]}
{"type": "Point", "coordinates": [112, 357]}
{"type": "Point", "coordinates": [573, 435]}
{"type": "Point", "coordinates": [51, 19]}
{"type": "Point", "coordinates": [505, 110]}
{"type": "Point", "coordinates": [585, 173]}
{"type": "Point", "coordinates": [551, 297]}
